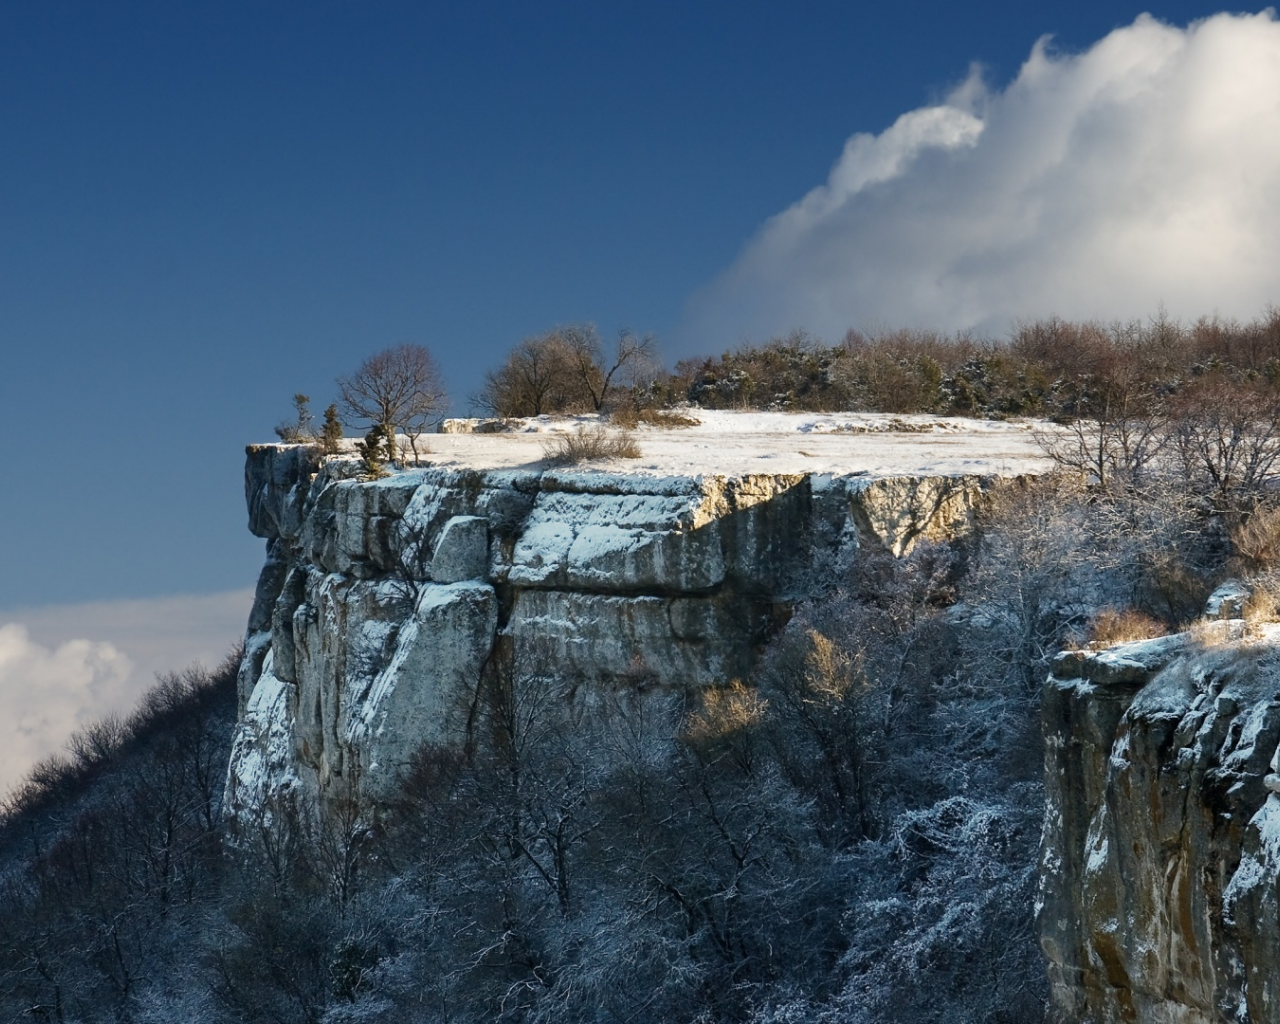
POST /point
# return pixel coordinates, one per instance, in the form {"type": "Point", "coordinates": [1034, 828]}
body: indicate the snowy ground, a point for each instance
{"type": "Point", "coordinates": [775, 442]}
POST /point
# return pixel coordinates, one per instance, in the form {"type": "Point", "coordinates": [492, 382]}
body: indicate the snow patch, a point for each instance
{"type": "Point", "coordinates": [732, 443]}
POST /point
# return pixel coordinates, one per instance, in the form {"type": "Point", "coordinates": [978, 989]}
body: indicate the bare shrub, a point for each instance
{"type": "Point", "coordinates": [299, 429]}
{"type": "Point", "coordinates": [728, 725]}
{"type": "Point", "coordinates": [1113, 443]}
{"type": "Point", "coordinates": [1257, 600]}
{"type": "Point", "coordinates": [1209, 633]}
{"type": "Point", "coordinates": [1121, 625]}
{"type": "Point", "coordinates": [1177, 586]}
{"type": "Point", "coordinates": [587, 444]}
{"type": "Point", "coordinates": [822, 697]}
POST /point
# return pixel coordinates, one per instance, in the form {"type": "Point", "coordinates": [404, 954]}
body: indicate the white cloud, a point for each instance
{"type": "Point", "coordinates": [1143, 171]}
{"type": "Point", "coordinates": [63, 666]}
{"type": "Point", "coordinates": [48, 692]}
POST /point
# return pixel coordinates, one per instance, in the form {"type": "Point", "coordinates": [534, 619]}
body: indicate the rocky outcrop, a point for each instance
{"type": "Point", "coordinates": [382, 604]}
{"type": "Point", "coordinates": [1161, 848]}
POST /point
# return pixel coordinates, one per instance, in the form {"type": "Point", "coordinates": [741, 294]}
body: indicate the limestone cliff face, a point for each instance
{"type": "Point", "coordinates": [1161, 849]}
{"type": "Point", "coordinates": [383, 603]}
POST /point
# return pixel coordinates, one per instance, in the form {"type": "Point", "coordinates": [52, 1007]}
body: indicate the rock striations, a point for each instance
{"type": "Point", "coordinates": [1161, 848]}
{"type": "Point", "coordinates": [383, 604]}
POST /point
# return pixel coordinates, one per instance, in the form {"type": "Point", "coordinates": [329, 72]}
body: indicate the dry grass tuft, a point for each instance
{"type": "Point", "coordinates": [664, 419]}
{"type": "Point", "coordinates": [1117, 626]}
{"type": "Point", "coordinates": [627, 419]}
{"type": "Point", "coordinates": [1263, 604]}
{"type": "Point", "coordinates": [587, 444]}
{"type": "Point", "coordinates": [1255, 541]}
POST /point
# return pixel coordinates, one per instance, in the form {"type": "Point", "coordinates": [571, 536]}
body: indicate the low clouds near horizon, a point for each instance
{"type": "Point", "coordinates": [1143, 172]}
{"type": "Point", "coordinates": [64, 666]}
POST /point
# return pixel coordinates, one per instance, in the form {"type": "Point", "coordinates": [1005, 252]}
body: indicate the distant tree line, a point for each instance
{"type": "Point", "coordinates": [1157, 376]}
{"type": "Point", "coordinates": [1053, 368]}
{"type": "Point", "coordinates": [1136, 398]}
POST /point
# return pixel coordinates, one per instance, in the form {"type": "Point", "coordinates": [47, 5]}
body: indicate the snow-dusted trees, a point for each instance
{"type": "Point", "coordinates": [1227, 439]}
{"type": "Point", "coordinates": [1125, 427]}
{"type": "Point", "coordinates": [398, 389]}
{"type": "Point", "coordinates": [122, 860]}
{"type": "Point", "coordinates": [841, 837]}
{"type": "Point", "coordinates": [1118, 430]}
{"type": "Point", "coordinates": [848, 835]}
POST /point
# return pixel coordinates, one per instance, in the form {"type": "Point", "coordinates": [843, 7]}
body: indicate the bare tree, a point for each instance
{"type": "Point", "coordinates": [1118, 433]}
{"type": "Point", "coordinates": [537, 378]}
{"type": "Point", "coordinates": [586, 358]}
{"type": "Point", "coordinates": [397, 389]}
{"type": "Point", "coordinates": [562, 371]}
{"type": "Point", "coordinates": [1227, 436]}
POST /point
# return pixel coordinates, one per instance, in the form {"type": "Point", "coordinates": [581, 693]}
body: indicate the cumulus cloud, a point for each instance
{"type": "Point", "coordinates": [64, 666]}
{"type": "Point", "coordinates": [1143, 171]}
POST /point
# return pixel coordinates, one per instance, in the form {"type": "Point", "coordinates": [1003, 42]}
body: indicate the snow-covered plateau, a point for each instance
{"type": "Point", "coordinates": [735, 443]}
{"type": "Point", "coordinates": [383, 603]}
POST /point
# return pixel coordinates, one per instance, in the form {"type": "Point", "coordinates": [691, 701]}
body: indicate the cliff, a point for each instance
{"type": "Point", "coordinates": [382, 604]}
{"type": "Point", "coordinates": [1161, 846]}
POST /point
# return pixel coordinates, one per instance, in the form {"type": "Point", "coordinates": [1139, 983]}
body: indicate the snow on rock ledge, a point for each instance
{"type": "Point", "coordinates": [1161, 845]}
{"type": "Point", "coordinates": [382, 604]}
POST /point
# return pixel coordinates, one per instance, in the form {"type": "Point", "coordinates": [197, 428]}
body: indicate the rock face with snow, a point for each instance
{"type": "Point", "coordinates": [1161, 849]}
{"type": "Point", "coordinates": [383, 603]}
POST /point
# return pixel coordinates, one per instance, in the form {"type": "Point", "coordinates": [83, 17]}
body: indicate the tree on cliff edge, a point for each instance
{"type": "Point", "coordinates": [397, 389]}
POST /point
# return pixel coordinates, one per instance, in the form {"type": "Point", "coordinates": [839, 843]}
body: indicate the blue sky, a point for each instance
{"type": "Point", "coordinates": [205, 208]}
